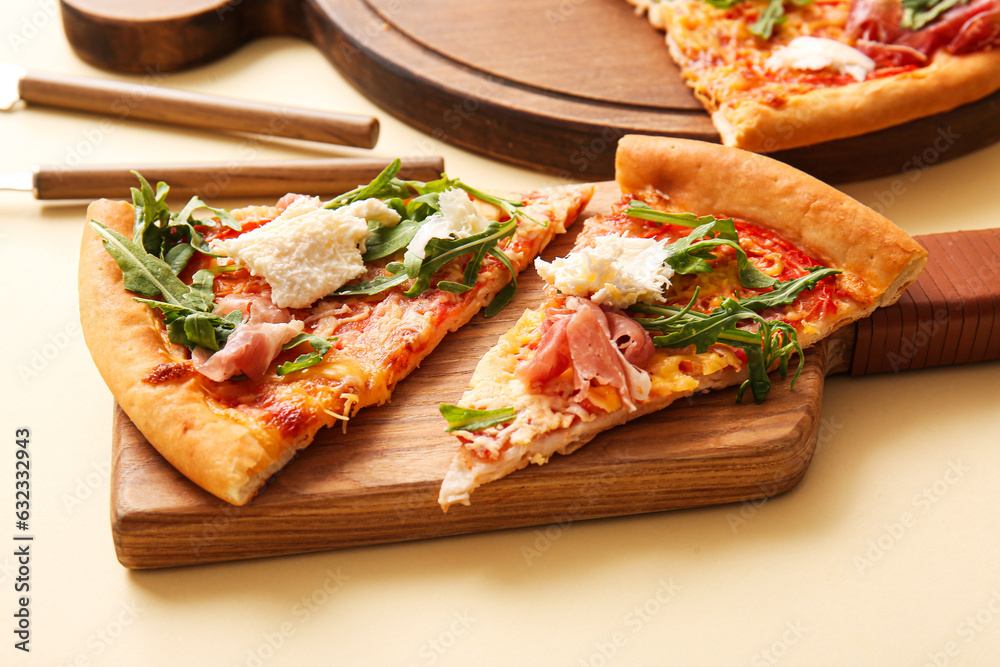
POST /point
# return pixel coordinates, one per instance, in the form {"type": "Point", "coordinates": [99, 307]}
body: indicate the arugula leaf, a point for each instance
{"type": "Point", "coordinates": [143, 273]}
{"type": "Point", "coordinates": [161, 232]}
{"type": "Point", "coordinates": [320, 347]}
{"type": "Point", "coordinates": [383, 186]}
{"type": "Point", "coordinates": [690, 254]}
{"type": "Point", "coordinates": [469, 419]}
{"type": "Point", "coordinates": [772, 342]}
{"type": "Point", "coordinates": [918, 13]}
{"type": "Point", "coordinates": [387, 241]}
{"type": "Point", "coordinates": [439, 252]}
{"type": "Point", "coordinates": [771, 16]}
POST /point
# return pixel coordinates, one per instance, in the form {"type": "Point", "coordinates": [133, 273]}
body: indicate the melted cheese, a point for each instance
{"type": "Point", "coordinates": [307, 251]}
{"type": "Point", "coordinates": [458, 219]}
{"type": "Point", "coordinates": [818, 53]}
{"type": "Point", "coordinates": [616, 271]}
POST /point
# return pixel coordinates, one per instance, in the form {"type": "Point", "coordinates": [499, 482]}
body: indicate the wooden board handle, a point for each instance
{"type": "Point", "coordinates": [950, 315]}
{"type": "Point", "coordinates": [327, 176]}
{"type": "Point", "coordinates": [150, 101]}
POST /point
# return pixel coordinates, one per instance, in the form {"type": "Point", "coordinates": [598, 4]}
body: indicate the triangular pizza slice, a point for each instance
{"type": "Point", "coordinates": [231, 338]}
{"type": "Point", "coordinates": [716, 266]}
{"type": "Point", "coordinates": [777, 74]}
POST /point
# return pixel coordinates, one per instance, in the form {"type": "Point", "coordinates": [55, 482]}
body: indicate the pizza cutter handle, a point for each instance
{"type": "Point", "coordinates": [149, 100]}
{"type": "Point", "coordinates": [950, 315]}
{"type": "Point", "coordinates": [325, 176]}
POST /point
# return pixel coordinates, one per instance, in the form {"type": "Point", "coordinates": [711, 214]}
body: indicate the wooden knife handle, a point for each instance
{"type": "Point", "coordinates": [950, 315]}
{"type": "Point", "coordinates": [149, 101]}
{"type": "Point", "coordinates": [327, 176]}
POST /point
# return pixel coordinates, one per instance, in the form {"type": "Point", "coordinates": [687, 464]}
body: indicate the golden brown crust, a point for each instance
{"type": "Point", "coordinates": [232, 451]}
{"type": "Point", "coordinates": [705, 178]}
{"type": "Point", "coordinates": [214, 451]}
{"type": "Point", "coordinates": [722, 62]}
{"type": "Point", "coordinates": [826, 114]}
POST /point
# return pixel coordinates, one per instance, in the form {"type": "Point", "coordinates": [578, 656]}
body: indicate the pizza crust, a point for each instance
{"type": "Point", "coordinates": [878, 261]}
{"type": "Point", "coordinates": [207, 446]}
{"type": "Point", "coordinates": [703, 178]}
{"type": "Point", "coordinates": [826, 114]}
{"type": "Point", "coordinates": [228, 446]}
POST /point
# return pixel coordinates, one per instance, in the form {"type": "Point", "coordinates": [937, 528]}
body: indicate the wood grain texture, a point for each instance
{"type": "Point", "coordinates": [546, 84]}
{"type": "Point", "coordinates": [379, 481]}
{"type": "Point", "coordinates": [169, 106]}
{"type": "Point", "coordinates": [319, 176]}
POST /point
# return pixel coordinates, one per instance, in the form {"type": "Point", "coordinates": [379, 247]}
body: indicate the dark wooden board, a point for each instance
{"type": "Point", "coordinates": [546, 84]}
{"type": "Point", "coordinates": [378, 481]}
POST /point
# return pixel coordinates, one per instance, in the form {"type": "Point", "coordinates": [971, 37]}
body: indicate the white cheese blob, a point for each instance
{"type": "Point", "coordinates": [307, 251]}
{"type": "Point", "coordinates": [617, 271]}
{"type": "Point", "coordinates": [816, 53]}
{"type": "Point", "coordinates": [458, 219]}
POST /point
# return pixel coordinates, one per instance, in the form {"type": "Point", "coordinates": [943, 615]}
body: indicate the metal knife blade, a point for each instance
{"type": "Point", "coordinates": [10, 84]}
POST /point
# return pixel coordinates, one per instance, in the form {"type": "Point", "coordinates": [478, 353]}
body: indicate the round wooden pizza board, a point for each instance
{"type": "Point", "coordinates": [546, 84]}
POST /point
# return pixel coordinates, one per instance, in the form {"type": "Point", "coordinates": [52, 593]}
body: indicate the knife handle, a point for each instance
{"type": "Point", "coordinates": [326, 176]}
{"type": "Point", "coordinates": [150, 101]}
{"type": "Point", "coordinates": [950, 315]}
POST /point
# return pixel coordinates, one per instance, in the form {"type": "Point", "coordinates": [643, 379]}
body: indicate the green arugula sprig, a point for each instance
{"type": "Point", "coordinates": [691, 253]}
{"type": "Point", "coordinates": [187, 309]}
{"type": "Point", "coordinates": [773, 14]}
{"type": "Point", "coordinates": [772, 341]}
{"type": "Point", "coordinates": [320, 347]}
{"type": "Point", "coordinates": [918, 13]}
{"type": "Point", "coordinates": [167, 235]}
{"type": "Point", "coordinates": [470, 419]}
{"type": "Point", "coordinates": [415, 201]}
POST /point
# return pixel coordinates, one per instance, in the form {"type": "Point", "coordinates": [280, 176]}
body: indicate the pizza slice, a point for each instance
{"type": "Point", "coordinates": [716, 266]}
{"type": "Point", "coordinates": [776, 75]}
{"type": "Point", "coordinates": [231, 338]}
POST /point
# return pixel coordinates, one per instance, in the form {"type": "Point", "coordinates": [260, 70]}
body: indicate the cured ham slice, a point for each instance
{"type": "Point", "coordinates": [602, 348]}
{"type": "Point", "coordinates": [250, 349]}
{"type": "Point", "coordinates": [964, 28]}
{"type": "Point", "coordinates": [256, 309]}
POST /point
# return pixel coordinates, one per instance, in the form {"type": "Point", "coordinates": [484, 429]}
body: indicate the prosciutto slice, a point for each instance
{"type": "Point", "coordinates": [256, 309]}
{"type": "Point", "coordinates": [602, 348]}
{"type": "Point", "coordinates": [964, 28]}
{"type": "Point", "coordinates": [250, 349]}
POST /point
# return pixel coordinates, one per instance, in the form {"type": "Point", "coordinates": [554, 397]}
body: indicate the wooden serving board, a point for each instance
{"type": "Point", "coordinates": [546, 84]}
{"type": "Point", "coordinates": [378, 481]}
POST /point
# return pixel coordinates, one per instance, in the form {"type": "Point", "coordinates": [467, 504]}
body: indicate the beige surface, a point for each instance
{"type": "Point", "coordinates": [884, 555]}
